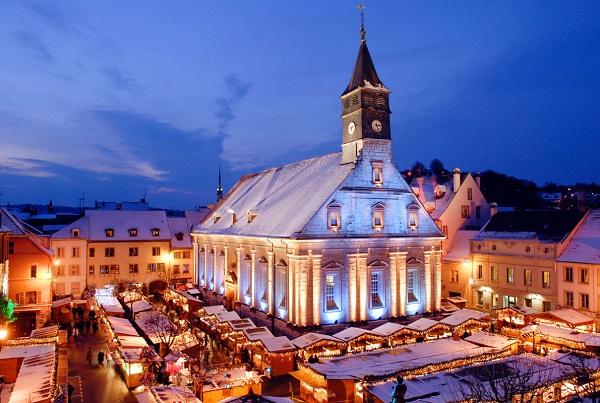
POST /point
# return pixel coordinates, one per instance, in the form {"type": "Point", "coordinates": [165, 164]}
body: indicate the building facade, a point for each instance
{"type": "Point", "coordinates": [333, 239]}
{"type": "Point", "coordinates": [513, 259]}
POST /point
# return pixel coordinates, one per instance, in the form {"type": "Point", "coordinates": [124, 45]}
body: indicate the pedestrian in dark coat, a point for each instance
{"type": "Point", "coordinates": [101, 358]}
{"type": "Point", "coordinates": [88, 356]}
{"type": "Point", "coordinates": [95, 327]}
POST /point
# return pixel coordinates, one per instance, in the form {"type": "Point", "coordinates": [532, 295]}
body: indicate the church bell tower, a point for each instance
{"type": "Point", "coordinates": [365, 106]}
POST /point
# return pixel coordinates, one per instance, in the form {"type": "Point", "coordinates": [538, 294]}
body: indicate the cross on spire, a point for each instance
{"type": "Point", "coordinates": [362, 22]}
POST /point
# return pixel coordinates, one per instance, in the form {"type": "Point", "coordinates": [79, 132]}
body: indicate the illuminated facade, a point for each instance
{"type": "Point", "coordinates": [333, 239]}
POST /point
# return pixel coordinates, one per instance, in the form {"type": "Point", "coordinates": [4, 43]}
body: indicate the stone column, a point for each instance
{"type": "Point", "coordinates": [240, 292]}
{"type": "Point", "coordinates": [271, 283]}
{"type": "Point", "coordinates": [401, 273]}
{"type": "Point", "coordinates": [317, 296]}
{"type": "Point", "coordinates": [302, 290]}
{"type": "Point", "coordinates": [195, 275]}
{"type": "Point", "coordinates": [437, 278]}
{"type": "Point", "coordinates": [364, 288]}
{"type": "Point", "coordinates": [292, 294]}
{"type": "Point", "coordinates": [352, 288]}
{"type": "Point", "coordinates": [253, 279]}
{"type": "Point", "coordinates": [428, 279]}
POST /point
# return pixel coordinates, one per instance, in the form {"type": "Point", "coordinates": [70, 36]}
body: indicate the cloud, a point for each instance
{"type": "Point", "coordinates": [237, 90]}
{"type": "Point", "coordinates": [120, 82]}
{"type": "Point", "coordinates": [25, 167]}
{"type": "Point", "coordinates": [33, 43]}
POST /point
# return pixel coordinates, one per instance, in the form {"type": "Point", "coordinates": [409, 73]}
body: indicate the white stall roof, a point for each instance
{"type": "Point", "coordinates": [309, 339]}
{"type": "Point", "coordinates": [277, 344]}
{"type": "Point", "coordinates": [463, 315]}
{"type": "Point", "coordinates": [388, 328]}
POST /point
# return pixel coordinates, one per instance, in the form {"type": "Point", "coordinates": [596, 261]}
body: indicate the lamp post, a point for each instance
{"type": "Point", "coordinates": [534, 328]}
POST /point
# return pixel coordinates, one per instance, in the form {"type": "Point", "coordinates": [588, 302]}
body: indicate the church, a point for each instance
{"type": "Point", "coordinates": [335, 239]}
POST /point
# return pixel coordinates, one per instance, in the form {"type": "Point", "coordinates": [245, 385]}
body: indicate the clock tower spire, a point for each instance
{"type": "Point", "coordinates": [365, 105]}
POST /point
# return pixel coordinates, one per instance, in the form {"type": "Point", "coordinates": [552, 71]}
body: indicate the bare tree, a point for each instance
{"type": "Point", "coordinates": [162, 328]}
{"type": "Point", "coordinates": [585, 367]}
{"type": "Point", "coordinates": [167, 273]}
{"type": "Point", "coordinates": [203, 360]}
{"type": "Point", "coordinates": [523, 378]}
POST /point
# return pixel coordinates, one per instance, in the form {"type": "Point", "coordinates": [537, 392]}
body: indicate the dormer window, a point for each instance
{"type": "Point", "coordinates": [377, 169]}
{"type": "Point", "coordinates": [252, 215]}
{"type": "Point", "coordinates": [110, 232]}
{"type": "Point", "coordinates": [75, 233]}
{"type": "Point", "coordinates": [179, 236]}
{"type": "Point", "coordinates": [413, 216]}
{"type": "Point", "coordinates": [378, 217]}
{"type": "Point", "coordinates": [333, 216]}
{"type": "Point", "coordinates": [155, 231]}
{"type": "Point", "coordinates": [133, 232]}
{"type": "Point", "coordinates": [216, 218]}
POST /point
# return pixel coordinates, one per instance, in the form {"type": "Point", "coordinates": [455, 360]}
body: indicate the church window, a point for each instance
{"type": "Point", "coordinates": [220, 272]}
{"type": "Point", "coordinates": [246, 283]}
{"type": "Point", "coordinates": [378, 217]}
{"type": "Point", "coordinates": [377, 296]}
{"type": "Point", "coordinates": [332, 292]}
{"type": "Point", "coordinates": [368, 99]}
{"type": "Point", "coordinates": [412, 286]}
{"type": "Point", "coordinates": [281, 285]}
{"type": "Point", "coordinates": [333, 215]}
{"type": "Point", "coordinates": [413, 216]}
{"type": "Point", "coordinates": [210, 270]}
{"type": "Point", "coordinates": [262, 279]}
{"type": "Point", "coordinates": [377, 172]}
{"type": "Point", "coordinates": [355, 100]}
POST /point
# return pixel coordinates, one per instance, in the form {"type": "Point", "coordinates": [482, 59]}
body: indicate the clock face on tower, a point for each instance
{"type": "Point", "coordinates": [351, 128]}
{"type": "Point", "coordinates": [376, 125]}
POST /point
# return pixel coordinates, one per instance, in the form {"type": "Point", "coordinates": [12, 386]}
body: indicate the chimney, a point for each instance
{"type": "Point", "coordinates": [456, 173]}
{"type": "Point", "coordinates": [478, 179]}
{"type": "Point", "coordinates": [493, 209]}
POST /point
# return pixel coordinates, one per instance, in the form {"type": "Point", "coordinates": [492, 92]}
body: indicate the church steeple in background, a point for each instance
{"type": "Point", "coordinates": [219, 188]}
{"type": "Point", "coordinates": [365, 104]}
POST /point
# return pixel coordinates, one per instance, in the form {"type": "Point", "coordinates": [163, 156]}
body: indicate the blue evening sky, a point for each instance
{"type": "Point", "coordinates": [119, 100]}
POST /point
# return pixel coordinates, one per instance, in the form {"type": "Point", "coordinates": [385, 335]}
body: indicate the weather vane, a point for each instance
{"type": "Point", "coordinates": [362, 21]}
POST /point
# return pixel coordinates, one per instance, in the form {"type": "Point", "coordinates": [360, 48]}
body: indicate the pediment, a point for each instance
{"type": "Point", "coordinates": [333, 265]}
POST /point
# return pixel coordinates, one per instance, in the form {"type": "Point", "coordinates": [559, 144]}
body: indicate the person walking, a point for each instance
{"type": "Point", "coordinates": [101, 358]}
{"type": "Point", "coordinates": [95, 327]}
{"type": "Point", "coordinates": [88, 356]}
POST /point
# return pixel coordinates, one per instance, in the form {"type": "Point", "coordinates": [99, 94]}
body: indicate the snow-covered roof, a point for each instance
{"type": "Point", "coordinates": [463, 315]}
{"type": "Point", "coordinates": [241, 324]}
{"type": "Point", "coordinates": [584, 247]}
{"type": "Point", "coordinates": [140, 306]}
{"type": "Point", "coordinates": [18, 228]}
{"type": "Point", "coordinates": [569, 316]}
{"type": "Point", "coordinates": [493, 340]}
{"type": "Point", "coordinates": [257, 399]}
{"type": "Point", "coordinates": [213, 309]}
{"type": "Point", "coordinates": [178, 225]}
{"type": "Point", "coordinates": [589, 339]}
{"type": "Point", "coordinates": [393, 360]}
{"type": "Point", "coordinates": [435, 193]}
{"type": "Point", "coordinates": [257, 333]}
{"type": "Point", "coordinates": [388, 328]}
{"type": "Point", "coordinates": [522, 309]}
{"type": "Point", "coordinates": [422, 324]}
{"type": "Point", "coordinates": [50, 331]}
{"type": "Point", "coordinates": [229, 316]}
{"type": "Point", "coordinates": [351, 333]}
{"type": "Point", "coordinates": [308, 339]}
{"type": "Point", "coordinates": [460, 248]}
{"type": "Point", "coordinates": [169, 394]}
{"type": "Point", "coordinates": [36, 373]}
{"type": "Point", "coordinates": [122, 326]}
{"type": "Point", "coordinates": [131, 342]}
{"type": "Point", "coordinates": [273, 194]}
{"type": "Point", "coordinates": [277, 344]}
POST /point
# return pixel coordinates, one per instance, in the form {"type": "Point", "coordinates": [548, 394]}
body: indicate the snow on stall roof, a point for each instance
{"type": "Point", "coordinates": [61, 302]}
{"type": "Point", "coordinates": [584, 247]}
{"type": "Point", "coordinates": [144, 397]}
{"type": "Point", "coordinates": [34, 381]}
{"type": "Point", "coordinates": [122, 326]}
{"type": "Point", "coordinates": [309, 339]}
{"type": "Point", "coordinates": [523, 310]}
{"type": "Point", "coordinates": [257, 333]}
{"type": "Point", "coordinates": [486, 339]}
{"type": "Point", "coordinates": [140, 306]}
{"type": "Point", "coordinates": [277, 344]}
{"type": "Point", "coordinates": [278, 196]}
{"type": "Point", "coordinates": [50, 331]}
{"type": "Point", "coordinates": [448, 307]}
{"type": "Point", "coordinates": [351, 333]}
{"type": "Point", "coordinates": [422, 324]}
{"type": "Point", "coordinates": [388, 328]}
{"type": "Point", "coordinates": [227, 316]}
{"type": "Point", "coordinates": [384, 362]}
{"type": "Point", "coordinates": [257, 399]}
{"type": "Point", "coordinates": [589, 339]}
{"type": "Point", "coordinates": [241, 324]}
{"type": "Point", "coordinates": [171, 394]}
{"type": "Point", "coordinates": [131, 354]}
{"type": "Point", "coordinates": [211, 310]}
{"type": "Point", "coordinates": [571, 316]}
{"type": "Point", "coordinates": [132, 341]}
{"type": "Point", "coordinates": [108, 308]}
{"type": "Point", "coordinates": [464, 315]}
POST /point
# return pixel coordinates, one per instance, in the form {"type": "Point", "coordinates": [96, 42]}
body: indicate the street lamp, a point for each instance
{"type": "Point", "coordinates": [534, 328]}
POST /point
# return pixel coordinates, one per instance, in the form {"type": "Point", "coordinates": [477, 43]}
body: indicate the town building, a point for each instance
{"type": "Point", "coordinates": [123, 246]}
{"type": "Point", "coordinates": [29, 274]}
{"type": "Point", "coordinates": [457, 205]}
{"type": "Point", "coordinates": [577, 267]}
{"type": "Point", "coordinates": [333, 239]}
{"type": "Point", "coordinates": [513, 259]}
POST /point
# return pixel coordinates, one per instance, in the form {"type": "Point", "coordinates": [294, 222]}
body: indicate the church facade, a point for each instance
{"type": "Point", "coordinates": [334, 239]}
